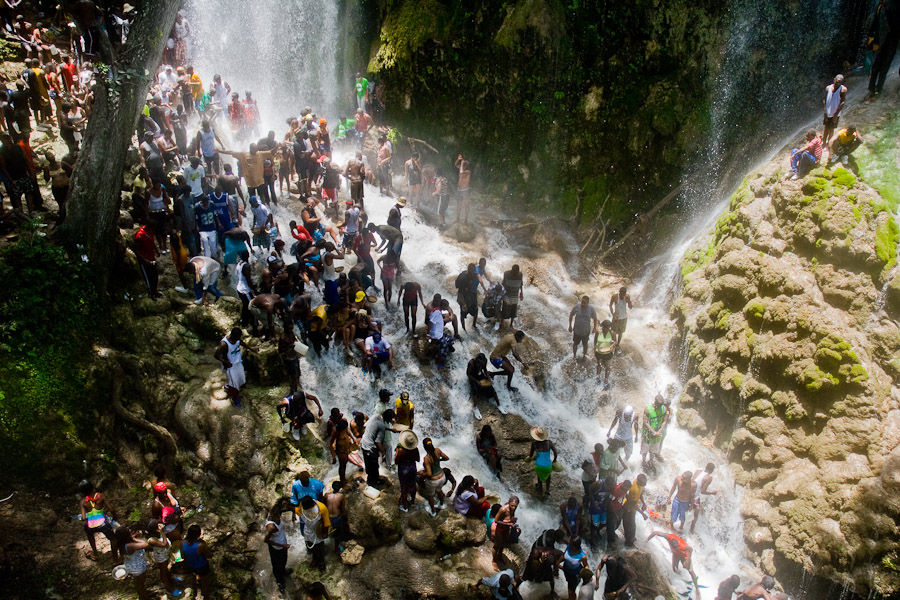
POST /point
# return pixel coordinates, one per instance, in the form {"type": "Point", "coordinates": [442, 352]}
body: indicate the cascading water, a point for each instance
{"type": "Point", "coordinates": [285, 51]}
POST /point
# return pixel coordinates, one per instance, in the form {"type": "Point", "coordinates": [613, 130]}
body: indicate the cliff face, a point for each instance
{"type": "Point", "coordinates": [547, 97]}
{"type": "Point", "coordinates": [789, 340]}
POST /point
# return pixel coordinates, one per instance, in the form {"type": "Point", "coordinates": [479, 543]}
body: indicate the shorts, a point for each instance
{"type": "Point", "coordinates": [443, 203]}
{"type": "Point", "coordinates": [651, 447]}
{"type": "Point", "coordinates": [831, 121]}
{"type": "Point", "coordinates": [356, 190]}
{"type": "Point", "coordinates": [329, 193]}
{"type": "Point", "coordinates": [679, 510]}
{"type": "Point", "coordinates": [601, 356]}
{"type": "Point", "coordinates": [349, 238]}
{"type": "Point", "coordinates": [292, 366]}
{"type": "Point", "coordinates": [509, 310]}
{"type": "Point", "coordinates": [618, 326]}
{"type": "Point", "coordinates": [413, 302]}
{"type": "Point", "coordinates": [260, 313]}
{"type": "Point", "coordinates": [497, 362]}
{"type": "Point", "coordinates": [581, 339]}
{"type": "Point", "coordinates": [464, 197]}
{"type": "Point", "coordinates": [204, 570]}
{"type": "Point", "coordinates": [379, 358]}
{"type": "Point", "coordinates": [236, 376]}
{"type": "Point", "coordinates": [572, 578]}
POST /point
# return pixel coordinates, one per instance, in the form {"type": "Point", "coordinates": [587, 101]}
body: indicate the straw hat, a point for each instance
{"type": "Point", "coordinates": [409, 440]}
{"type": "Point", "coordinates": [539, 434]}
{"type": "Point", "coordinates": [401, 201]}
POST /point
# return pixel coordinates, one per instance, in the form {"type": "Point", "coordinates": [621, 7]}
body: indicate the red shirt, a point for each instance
{"type": "Point", "coordinates": [144, 244]}
{"type": "Point", "coordinates": [300, 233]}
{"type": "Point", "coordinates": [69, 73]}
{"type": "Point", "coordinates": [815, 146]}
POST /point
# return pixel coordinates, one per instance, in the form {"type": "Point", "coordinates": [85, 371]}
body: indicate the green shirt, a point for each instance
{"type": "Point", "coordinates": [362, 86]}
{"type": "Point", "coordinates": [343, 127]}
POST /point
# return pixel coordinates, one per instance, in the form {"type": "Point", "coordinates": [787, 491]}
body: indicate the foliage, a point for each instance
{"type": "Point", "coordinates": [877, 160]}
{"type": "Point", "coordinates": [7, 51]}
{"type": "Point", "coordinates": [47, 318]}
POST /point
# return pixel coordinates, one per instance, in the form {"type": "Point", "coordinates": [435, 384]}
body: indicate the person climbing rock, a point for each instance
{"type": "Point", "coordinates": [480, 385]}
{"type": "Point", "coordinates": [619, 576]}
{"type": "Point", "coordinates": [294, 409]}
{"type": "Point", "coordinates": [229, 354]}
{"type": "Point", "coordinates": [728, 588]}
{"type": "Point", "coordinates": [681, 552]}
{"type": "Point", "coordinates": [507, 344]}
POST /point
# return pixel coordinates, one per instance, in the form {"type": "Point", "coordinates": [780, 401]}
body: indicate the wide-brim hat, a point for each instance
{"type": "Point", "coordinates": [539, 434]}
{"type": "Point", "coordinates": [409, 440]}
{"type": "Point", "coordinates": [401, 201]}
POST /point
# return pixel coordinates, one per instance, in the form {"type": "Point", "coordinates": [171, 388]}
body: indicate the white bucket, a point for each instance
{"type": "Point", "coordinates": [300, 348]}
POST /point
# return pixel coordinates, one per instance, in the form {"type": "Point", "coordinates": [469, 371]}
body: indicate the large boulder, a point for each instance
{"type": "Point", "coordinates": [375, 522]}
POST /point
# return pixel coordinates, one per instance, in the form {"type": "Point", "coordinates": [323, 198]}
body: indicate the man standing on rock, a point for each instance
{"type": "Point", "coordinates": [229, 354]}
{"type": "Point", "coordinates": [619, 305]}
{"type": "Point", "coordinates": [585, 318]}
{"type": "Point", "coordinates": [684, 499]}
{"type": "Point", "coordinates": [372, 445]}
{"type": "Point", "coordinates": [655, 417]}
{"type": "Point", "coordinates": [835, 97]}
{"type": "Point", "coordinates": [467, 295]}
{"type": "Point", "coordinates": [627, 431]}
{"type": "Point", "coordinates": [512, 287]}
{"type": "Point", "coordinates": [356, 173]}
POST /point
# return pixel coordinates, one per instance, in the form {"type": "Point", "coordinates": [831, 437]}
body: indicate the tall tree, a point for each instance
{"type": "Point", "coordinates": [124, 78]}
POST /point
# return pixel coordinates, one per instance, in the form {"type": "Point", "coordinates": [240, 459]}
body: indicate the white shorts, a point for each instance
{"type": "Point", "coordinates": [236, 376]}
{"type": "Point", "coordinates": [628, 446]}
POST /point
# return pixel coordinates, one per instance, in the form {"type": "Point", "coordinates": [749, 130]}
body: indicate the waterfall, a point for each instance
{"type": "Point", "coordinates": [285, 51]}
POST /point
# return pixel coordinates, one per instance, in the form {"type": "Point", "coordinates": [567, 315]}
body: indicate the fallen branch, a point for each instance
{"type": "Point", "coordinates": [160, 433]}
{"type": "Point", "coordinates": [424, 143]}
{"type": "Point", "coordinates": [642, 221]}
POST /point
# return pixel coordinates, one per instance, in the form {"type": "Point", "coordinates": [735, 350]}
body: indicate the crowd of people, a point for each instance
{"type": "Point", "coordinates": [211, 204]}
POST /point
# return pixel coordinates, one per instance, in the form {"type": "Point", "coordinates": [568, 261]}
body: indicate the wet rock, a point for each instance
{"type": "Point", "coordinates": [145, 306]}
{"type": "Point", "coordinates": [352, 554]}
{"type": "Point", "coordinates": [375, 522]}
{"type": "Point", "coordinates": [458, 532]}
{"type": "Point", "coordinates": [461, 232]}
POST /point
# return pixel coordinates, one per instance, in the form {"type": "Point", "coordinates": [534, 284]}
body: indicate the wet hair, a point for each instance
{"type": "Point", "coordinates": [86, 487]}
{"type": "Point", "coordinates": [336, 485]}
{"type": "Point", "coordinates": [307, 502]}
{"type": "Point", "coordinates": [519, 335]}
{"type": "Point", "coordinates": [710, 467]}
{"type": "Point", "coordinates": [768, 582]}
{"type": "Point", "coordinates": [123, 536]}
{"type": "Point", "coordinates": [495, 508]}
{"type": "Point", "coordinates": [152, 528]}
{"type": "Point", "coordinates": [467, 482]}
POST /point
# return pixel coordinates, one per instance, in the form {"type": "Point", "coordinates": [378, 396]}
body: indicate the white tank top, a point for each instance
{"type": "Point", "coordinates": [208, 142]}
{"type": "Point", "coordinates": [156, 203]}
{"type": "Point", "coordinates": [242, 287]}
{"type": "Point", "coordinates": [621, 308]}
{"type": "Point", "coordinates": [234, 351]}
{"type": "Point", "coordinates": [624, 431]}
{"type": "Point", "coordinates": [833, 100]}
{"type": "Point", "coordinates": [698, 479]}
{"type": "Point", "coordinates": [330, 274]}
{"type": "Point", "coordinates": [279, 539]}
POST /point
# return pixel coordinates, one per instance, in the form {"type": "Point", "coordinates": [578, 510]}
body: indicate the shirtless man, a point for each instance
{"type": "Point", "coordinates": [231, 184]}
{"type": "Point", "coordinates": [384, 167]}
{"type": "Point", "coordinates": [758, 591]}
{"type": "Point", "coordinates": [702, 480]}
{"type": "Point", "coordinates": [681, 553]}
{"type": "Point", "coordinates": [507, 344]}
{"type": "Point", "coordinates": [619, 305]}
{"type": "Point", "coordinates": [728, 588]}
{"type": "Point", "coordinates": [410, 295]}
{"type": "Point", "coordinates": [356, 173]}
{"type": "Point", "coordinates": [264, 306]}
{"type": "Point", "coordinates": [684, 499]}
{"type": "Point", "coordinates": [465, 175]}
{"type": "Point", "coordinates": [334, 502]}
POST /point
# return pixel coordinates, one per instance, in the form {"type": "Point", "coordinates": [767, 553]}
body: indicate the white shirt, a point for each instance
{"type": "Point", "coordinates": [382, 346]}
{"type": "Point", "coordinates": [260, 215]}
{"type": "Point", "coordinates": [586, 592]}
{"type": "Point", "coordinates": [436, 325]}
{"type": "Point", "coordinates": [194, 178]}
{"type": "Point", "coordinates": [208, 269]}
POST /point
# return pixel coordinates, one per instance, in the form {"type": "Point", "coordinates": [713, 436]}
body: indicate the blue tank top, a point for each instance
{"type": "Point", "coordinates": [572, 562]}
{"type": "Point", "coordinates": [221, 204]}
{"type": "Point", "coordinates": [543, 459]}
{"type": "Point", "coordinates": [232, 249]}
{"type": "Point", "coordinates": [571, 513]}
{"type": "Point", "coordinates": [192, 556]}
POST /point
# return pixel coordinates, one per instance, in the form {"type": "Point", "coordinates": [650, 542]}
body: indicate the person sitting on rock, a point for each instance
{"type": "Point", "coordinates": [539, 566]}
{"type": "Point", "coordinates": [480, 383]}
{"type": "Point", "coordinates": [805, 158]}
{"type": "Point", "coordinates": [758, 591]}
{"type": "Point", "coordinates": [486, 443]}
{"type": "Point", "coordinates": [843, 144]}
{"type": "Point", "coordinates": [293, 409]}
{"type": "Point", "coordinates": [502, 585]}
{"type": "Point", "coordinates": [470, 499]}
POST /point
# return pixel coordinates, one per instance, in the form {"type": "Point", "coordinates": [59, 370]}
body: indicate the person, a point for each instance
{"type": "Point", "coordinates": [728, 588]}
{"type": "Point", "coordinates": [146, 251]}
{"type": "Point", "coordinates": [158, 207]}
{"type": "Point", "coordinates": [758, 591]}
{"type": "Point", "coordinates": [598, 496]}
{"type": "Point", "coordinates": [251, 164]}
{"type": "Point", "coordinates": [196, 553]}
{"type": "Point", "coordinates": [229, 354]}
{"type": "Point", "coordinates": [442, 191]}
{"type": "Point", "coordinates": [204, 272]}
{"type": "Point", "coordinates": [207, 226]}
{"type": "Point", "coordinates": [350, 225]}
{"type": "Point", "coordinates": [160, 545]}
{"type": "Point", "coordinates": [549, 539]}
{"type": "Point", "coordinates": [627, 430]}
{"type": "Point", "coordinates": [467, 296]}
{"type": "Point", "coordinates": [330, 275]}
{"type": "Point", "coordinates": [686, 487]}
{"type": "Point", "coordinates": [356, 173]}
{"type": "Point", "coordinates": [390, 237]}
{"type": "Point", "coordinates": [634, 501]}
{"type": "Point", "coordinates": [134, 555]}
{"type": "Point", "coordinates": [465, 176]}
{"type": "Point", "coordinates": [316, 524]}
{"type": "Point", "coordinates": [585, 321]}
{"type": "Point", "coordinates": [486, 444]}
{"type": "Point", "coordinates": [618, 577]}
{"type": "Point", "coordinates": [570, 512]}
{"type": "Point", "coordinates": [206, 141]}
{"type": "Point", "coordinates": [57, 174]}
{"type": "Point", "coordinates": [384, 157]}
{"type": "Point", "coordinates": [289, 356]}
{"type": "Point", "coordinates": [230, 184]}
{"type": "Point", "coordinates": [409, 296]}
{"type": "Point", "coordinates": [512, 293]}
{"type": "Point", "coordinates": [263, 223]}
{"type": "Point", "coordinates": [413, 170]}
{"type": "Point", "coordinates": [702, 481]}
{"type": "Point", "coordinates": [340, 445]}
{"type": "Point", "coordinates": [588, 588]}
{"type": "Point", "coordinates": [434, 476]}
{"type": "Point", "coordinates": [835, 98]}
{"type": "Point", "coordinates": [655, 417]}
{"type": "Point", "coordinates": [844, 143]}
{"type": "Point", "coordinates": [507, 344]}
{"type": "Point", "coordinates": [505, 530]}
{"type": "Point", "coordinates": [378, 351]}
{"type": "Point", "coordinates": [539, 566]}
{"type": "Point", "coordinates": [609, 459]}
{"type": "Point", "coordinates": [361, 88]}
{"type": "Point", "coordinates": [98, 517]}
{"type": "Point", "coordinates": [573, 561]}
{"type": "Point", "coordinates": [372, 446]}
{"type": "Point", "coordinates": [480, 384]}
{"type": "Point", "coordinates": [883, 37]}
{"type": "Point", "coordinates": [388, 264]}
{"type": "Point", "coordinates": [615, 514]}
{"type": "Point", "coordinates": [294, 409]}
{"type": "Point", "coordinates": [681, 552]}
{"type": "Point", "coordinates": [470, 499]}
{"type": "Point", "coordinates": [503, 585]}
{"type": "Point", "coordinates": [619, 305]}
{"type": "Point", "coordinates": [165, 508]}
{"type": "Point", "coordinates": [306, 486]}
{"type": "Point", "coordinates": [406, 457]}
{"type": "Point", "coordinates": [541, 448]}
{"type": "Point", "coordinates": [605, 345]}
{"type": "Point", "coordinates": [404, 410]}
{"type": "Point", "coordinates": [276, 540]}
{"type": "Point", "coordinates": [805, 158]}
{"type": "Point", "coordinates": [334, 502]}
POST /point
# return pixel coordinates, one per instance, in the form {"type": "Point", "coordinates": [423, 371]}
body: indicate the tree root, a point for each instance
{"type": "Point", "coordinates": [160, 433]}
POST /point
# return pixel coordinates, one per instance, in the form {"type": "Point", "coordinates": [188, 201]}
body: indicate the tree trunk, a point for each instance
{"type": "Point", "coordinates": [91, 225]}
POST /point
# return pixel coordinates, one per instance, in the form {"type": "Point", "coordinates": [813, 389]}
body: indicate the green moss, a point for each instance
{"type": "Point", "coordinates": [877, 162]}
{"type": "Point", "coordinates": [698, 258]}
{"type": "Point", "coordinates": [843, 177]}
{"type": "Point", "coordinates": [755, 310]}
{"type": "Point", "coordinates": [815, 186]}
{"type": "Point", "coordinates": [814, 379]}
{"type": "Point", "coordinates": [737, 380]}
{"type": "Point", "coordinates": [742, 196]}
{"type": "Point", "coordinates": [405, 31]}
{"type": "Point", "coordinates": [887, 236]}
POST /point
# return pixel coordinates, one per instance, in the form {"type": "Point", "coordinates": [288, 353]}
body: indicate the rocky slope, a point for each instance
{"type": "Point", "coordinates": [789, 339]}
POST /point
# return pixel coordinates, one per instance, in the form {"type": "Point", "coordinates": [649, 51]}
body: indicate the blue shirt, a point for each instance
{"type": "Point", "coordinates": [221, 208]}
{"type": "Point", "coordinates": [206, 217]}
{"type": "Point", "coordinates": [314, 490]}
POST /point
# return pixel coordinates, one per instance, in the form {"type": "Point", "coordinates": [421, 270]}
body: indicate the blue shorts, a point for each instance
{"type": "Point", "coordinates": [497, 362]}
{"type": "Point", "coordinates": [381, 357]}
{"type": "Point", "coordinates": [679, 510]}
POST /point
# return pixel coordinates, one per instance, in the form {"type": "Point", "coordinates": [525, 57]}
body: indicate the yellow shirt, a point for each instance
{"type": "Point", "coordinates": [196, 86]}
{"type": "Point", "coordinates": [403, 411]}
{"type": "Point", "coordinates": [633, 497]}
